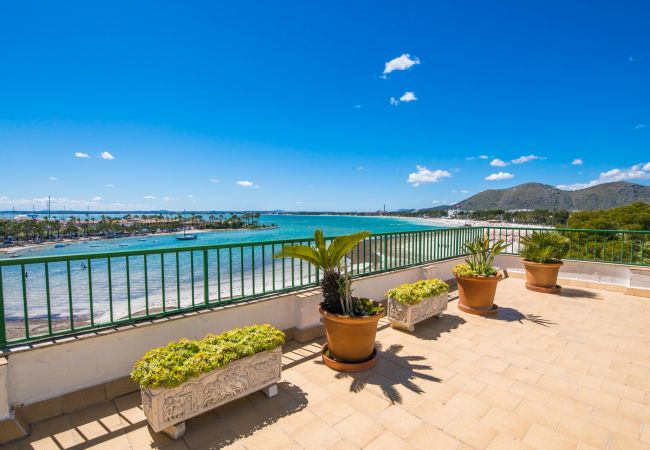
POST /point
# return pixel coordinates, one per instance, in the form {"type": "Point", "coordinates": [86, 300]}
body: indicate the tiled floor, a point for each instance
{"type": "Point", "coordinates": [550, 372]}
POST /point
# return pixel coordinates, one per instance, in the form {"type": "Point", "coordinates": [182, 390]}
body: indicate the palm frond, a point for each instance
{"type": "Point", "coordinates": [341, 245]}
{"type": "Point", "coordinates": [303, 252]}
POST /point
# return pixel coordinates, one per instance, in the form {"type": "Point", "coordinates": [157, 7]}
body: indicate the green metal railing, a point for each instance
{"type": "Point", "coordinates": [44, 297]}
{"type": "Point", "coordinates": [610, 246]}
{"type": "Point", "coordinates": [62, 295]}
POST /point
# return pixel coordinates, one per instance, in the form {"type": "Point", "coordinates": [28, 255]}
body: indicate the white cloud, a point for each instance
{"type": "Point", "coordinates": [81, 155]}
{"type": "Point", "coordinates": [464, 191]}
{"type": "Point", "coordinates": [247, 183]}
{"type": "Point", "coordinates": [357, 106]}
{"type": "Point", "coordinates": [106, 155]}
{"type": "Point", "coordinates": [424, 175]}
{"type": "Point", "coordinates": [408, 96]}
{"type": "Point", "coordinates": [525, 159]}
{"type": "Point", "coordinates": [639, 171]}
{"type": "Point", "coordinates": [214, 180]}
{"type": "Point", "coordinates": [496, 162]}
{"type": "Point", "coordinates": [97, 199]}
{"type": "Point", "coordinates": [638, 126]}
{"type": "Point", "coordinates": [53, 179]}
{"type": "Point", "coordinates": [470, 158]}
{"type": "Point", "coordinates": [436, 201]}
{"type": "Point", "coordinates": [403, 62]}
{"type": "Point", "coordinates": [168, 199]}
{"type": "Point", "coordinates": [149, 197]}
{"type": "Point", "coordinates": [190, 196]}
{"type": "Point", "coordinates": [298, 203]}
{"type": "Point", "coordinates": [110, 185]}
{"type": "Point", "coordinates": [65, 202]}
{"type": "Point", "coordinates": [577, 162]}
{"type": "Point", "coordinates": [483, 156]}
{"type": "Point", "coordinates": [360, 168]}
{"type": "Point", "coordinates": [499, 176]}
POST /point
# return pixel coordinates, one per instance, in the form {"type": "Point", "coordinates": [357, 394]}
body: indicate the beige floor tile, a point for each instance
{"type": "Point", "coordinates": [625, 443]}
{"type": "Point", "coordinates": [387, 441]}
{"type": "Point", "coordinates": [435, 413]}
{"type": "Point", "coordinates": [427, 436]}
{"type": "Point", "coordinates": [583, 430]}
{"type": "Point", "coordinates": [332, 410]}
{"type": "Point", "coordinates": [467, 405]}
{"type": "Point", "coordinates": [398, 421]}
{"type": "Point", "coordinates": [538, 414]}
{"type": "Point", "coordinates": [359, 429]}
{"type": "Point", "coordinates": [500, 397]}
{"type": "Point", "coordinates": [542, 437]}
{"type": "Point", "coordinates": [315, 434]}
{"type": "Point", "coordinates": [506, 422]}
{"type": "Point", "coordinates": [504, 442]}
{"type": "Point", "coordinates": [473, 433]}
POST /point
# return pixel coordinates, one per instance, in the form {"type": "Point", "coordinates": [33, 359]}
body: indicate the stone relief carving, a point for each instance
{"type": "Point", "coordinates": [165, 407]}
{"type": "Point", "coordinates": [406, 316]}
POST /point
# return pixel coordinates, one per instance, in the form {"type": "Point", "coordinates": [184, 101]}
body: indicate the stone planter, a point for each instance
{"type": "Point", "coordinates": [406, 316]}
{"type": "Point", "coordinates": [167, 409]}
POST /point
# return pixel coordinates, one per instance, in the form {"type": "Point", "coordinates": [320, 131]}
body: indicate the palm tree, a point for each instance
{"type": "Point", "coordinates": [327, 259]}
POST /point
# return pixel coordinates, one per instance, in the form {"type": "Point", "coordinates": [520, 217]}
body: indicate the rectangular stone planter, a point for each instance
{"type": "Point", "coordinates": [167, 409]}
{"type": "Point", "coordinates": [406, 316]}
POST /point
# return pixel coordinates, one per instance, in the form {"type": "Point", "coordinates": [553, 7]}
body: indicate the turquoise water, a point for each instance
{"type": "Point", "coordinates": [231, 273]}
{"type": "Point", "coordinates": [289, 227]}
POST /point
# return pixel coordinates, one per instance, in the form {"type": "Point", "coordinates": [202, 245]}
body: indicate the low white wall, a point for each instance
{"type": "Point", "coordinates": [49, 371]}
{"type": "Point", "coordinates": [616, 274]}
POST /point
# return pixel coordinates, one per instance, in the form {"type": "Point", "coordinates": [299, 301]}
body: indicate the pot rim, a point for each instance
{"type": "Point", "coordinates": [532, 263]}
{"type": "Point", "coordinates": [497, 277]}
{"type": "Point", "coordinates": [349, 319]}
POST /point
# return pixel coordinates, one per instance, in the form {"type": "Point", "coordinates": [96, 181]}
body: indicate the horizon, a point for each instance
{"type": "Point", "coordinates": [208, 107]}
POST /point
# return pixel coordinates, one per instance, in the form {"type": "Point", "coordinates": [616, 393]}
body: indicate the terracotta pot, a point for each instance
{"type": "Point", "coordinates": [351, 339]}
{"type": "Point", "coordinates": [540, 275]}
{"type": "Point", "coordinates": [476, 294]}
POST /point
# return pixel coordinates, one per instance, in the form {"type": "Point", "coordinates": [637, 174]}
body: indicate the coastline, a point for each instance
{"type": "Point", "coordinates": [13, 248]}
{"type": "Point", "coordinates": [480, 223]}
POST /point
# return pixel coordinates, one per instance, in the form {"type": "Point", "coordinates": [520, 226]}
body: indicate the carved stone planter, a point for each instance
{"type": "Point", "coordinates": [406, 316]}
{"type": "Point", "coordinates": [167, 409]}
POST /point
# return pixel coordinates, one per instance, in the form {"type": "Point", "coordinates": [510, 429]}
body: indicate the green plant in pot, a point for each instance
{"type": "Point", "coordinates": [477, 277]}
{"type": "Point", "coordinates": [542, 254]}
{"type": "Point", "coordinates": [350, 322]}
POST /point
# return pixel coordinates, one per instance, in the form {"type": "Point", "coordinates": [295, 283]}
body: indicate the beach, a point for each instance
{"type": "Point", "coordinates": [452, 223]}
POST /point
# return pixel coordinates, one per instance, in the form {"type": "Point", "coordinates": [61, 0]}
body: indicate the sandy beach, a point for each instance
{"type": "Point", "coordinates": [480, 223]}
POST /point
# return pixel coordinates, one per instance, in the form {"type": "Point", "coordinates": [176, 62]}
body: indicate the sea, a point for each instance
{"type": "Point", "coordinates": [232, 274]}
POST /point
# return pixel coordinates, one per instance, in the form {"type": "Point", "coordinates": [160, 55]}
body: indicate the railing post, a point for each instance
{"type": "Point", "coordinates": [206, 287]}
{"type": "Point", "coordinates": [3, 331]}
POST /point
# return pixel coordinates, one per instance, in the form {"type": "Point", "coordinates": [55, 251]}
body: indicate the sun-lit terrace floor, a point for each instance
{"type": "Point", "coordinates": [569, 371]}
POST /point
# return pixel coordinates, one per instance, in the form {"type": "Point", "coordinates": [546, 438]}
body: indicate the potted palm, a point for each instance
{"type": "Point", "coordinates": [477, 277]}
{"type": "Point", "coordinates": [350, 322]}
{"type": "Point", "coordinates": [542, 254]}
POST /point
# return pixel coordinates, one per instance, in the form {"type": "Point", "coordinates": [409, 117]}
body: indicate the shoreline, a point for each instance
{"type": "Point", "coordinates": [480, 223]}
{"type": "Point", "coordinates": [18, 247]}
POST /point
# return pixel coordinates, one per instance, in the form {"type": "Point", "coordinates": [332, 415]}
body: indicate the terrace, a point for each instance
{"type": "Point", "coordinates": [567, 371]}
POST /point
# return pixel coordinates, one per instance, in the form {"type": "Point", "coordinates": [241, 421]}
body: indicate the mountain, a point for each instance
{"type": "Point", "coordinates": [544, 196]}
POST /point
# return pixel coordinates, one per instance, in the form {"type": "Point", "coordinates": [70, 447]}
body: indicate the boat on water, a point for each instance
{"type": "Point", "coordinates": [59, 245]}
{"type": "Point", "coordinates": [185, 236]}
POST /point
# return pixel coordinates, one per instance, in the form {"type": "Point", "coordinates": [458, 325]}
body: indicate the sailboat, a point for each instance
{"type": "Point", "coordinates": [186, 236]}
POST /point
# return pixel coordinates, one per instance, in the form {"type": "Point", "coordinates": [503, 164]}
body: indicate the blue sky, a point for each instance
{"type": "Point", "coordinates": [314, 105]}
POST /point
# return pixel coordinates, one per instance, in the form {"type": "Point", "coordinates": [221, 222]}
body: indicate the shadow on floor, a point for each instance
{"type": "Point", "coordinates": [391, 371]}
{"type": "Point", "coordinates": [512, 315]}
{"type": "Point", "coordinates": [244, 417]}
{"type": "Point", "coordinates": [578, 293]}
{"type": "Point", "coordinates": [432, 328]}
